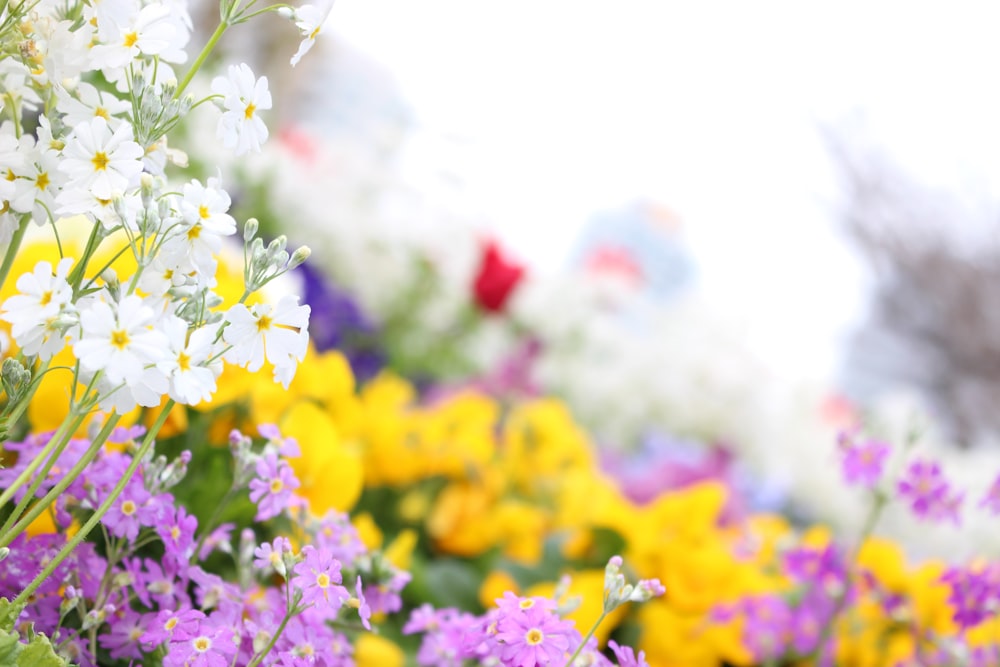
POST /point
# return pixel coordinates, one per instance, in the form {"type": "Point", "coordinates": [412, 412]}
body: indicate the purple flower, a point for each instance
{"type": "Point", "coordinates": [132, 510]}
{"type": "Point", "coordinates": [125, 628]}
{"type": "Point", "coordinates": [210, 644]}
{"type": "Point", "coordinates": [626, 656]}
{"type": "Point", "coordinates": [172, 625]}
{"type": "Point", "coordinates": [318, 576]}
{"type": "Point", "coordinates": [177, 532]}
{"type": "Point", "coordinates": [864, 463]}
{"type": "Point", "coordinates": [925, 489]}
{"type": "Point", "coordinates": [970, 595]}
{"type": "Point", "coordinates": [271, 556]}
{"type": "Point", "coordinates": [273, 486]}
{"type": "Point", "coordinates": [359, 603]}
{"type": "Point", "coordinates": [991, 499]}
{"type": "Point", "coordinates": [533, 636]}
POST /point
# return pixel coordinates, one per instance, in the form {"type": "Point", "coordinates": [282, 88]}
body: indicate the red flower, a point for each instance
{"type": "Point", "coordinates": [496, 279]}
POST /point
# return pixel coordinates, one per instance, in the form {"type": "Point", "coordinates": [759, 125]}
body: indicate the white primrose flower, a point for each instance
{"type": "Point", "coordinates": [61, 51]}
{"type": "Point", "coordinates": [150, 31]}
{"type": "Point", "coordinates": [192, 376]}
{"type": "Point", "coordinates": [12, 162]}
{"type": "Point", "coordinates": [120, 340]}
{"type": "Point", "coordinates": [33, 313]}
{"type": "Point", "coordinates": [80, 201]}
{"type": "Point", "coordinates": [146, 389]}
{"type": "Point", "coordinates": [87, 103]}
{"type": "Point", "coordinates": [38, 182]}
{"type": "Point", "coordinates": [309, 19]}
{"type": "Point", "coordinates": [277, 334]}
{"type": "Point", "coordinates": [100, 161]}
{"type": "Point", "coordinates": [243, 96]}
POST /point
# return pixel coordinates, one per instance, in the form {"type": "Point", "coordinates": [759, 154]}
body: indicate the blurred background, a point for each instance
{"type": "Point", "coordinates": [825, 177]}
{"type": "Point", "coordinates": [829, 170]}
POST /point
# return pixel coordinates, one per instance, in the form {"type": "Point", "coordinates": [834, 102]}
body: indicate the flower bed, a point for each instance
{"type": "Point", "coordinates": [188, 480]}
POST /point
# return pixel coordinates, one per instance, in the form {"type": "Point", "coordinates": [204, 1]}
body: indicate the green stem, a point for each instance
{"type": "Point", "coordinates": [68, 478]}
{"type": "Point", "coordinates": [49, 456]}
{"type": "Point", "coordinates": [274, 638]}
{"type": "Point", "coordinates": [200, 60]}
{"type": "Point", "coordinates": [15, 243]}
{"type": "Point", "coordinates": [95, 518]}
{"type": "Point", "coordinates": [210, 524]}
{"type": "Point", "coordinates": [9, 492]}
{"type": "Point", "coordinates": [586, 639]}
{"type": "Point", "coordinates": [76, 275]}
{"type": "Point", "coordinates": [879, 502]}
{"type": "Point", "coordinates": [11, 414]}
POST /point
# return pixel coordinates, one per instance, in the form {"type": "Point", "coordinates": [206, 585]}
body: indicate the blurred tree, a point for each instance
{"type": "Point", "coordinates": [933, 322]}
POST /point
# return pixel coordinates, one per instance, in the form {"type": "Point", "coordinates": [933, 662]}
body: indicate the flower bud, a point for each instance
{"type": "Point", "coordinates": [250, 229]}
{"type": "Point", "coordinates": [300, 255]}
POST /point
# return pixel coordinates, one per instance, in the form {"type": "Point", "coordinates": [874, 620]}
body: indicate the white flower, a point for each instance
{"type": "Point", "coordinates": [33, 313]}
{"type": "Point", "coordinates": [280, 335]}
{"type": "Point", "coordinates": [120, 341]}
{"type": "Point", "coordinates": [192, 379]}
{"type": "Point", "coordinates": [87, 103]}
{"type": "Point", "coordinates": [100, 161]}
{"type": "Point", "coordinates": [309, 19]}
{"type": "Point", "coordinates": [243, 97]}
{"type": "Point", "coordinates": [150, 31]}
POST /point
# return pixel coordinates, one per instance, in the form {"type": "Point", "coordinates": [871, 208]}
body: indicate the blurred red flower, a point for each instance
{"type": "Point", "coordinates": [496, 279]}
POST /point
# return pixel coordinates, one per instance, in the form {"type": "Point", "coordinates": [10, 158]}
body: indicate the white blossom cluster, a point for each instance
{"type": "Point", "coordinates": [89, 93]}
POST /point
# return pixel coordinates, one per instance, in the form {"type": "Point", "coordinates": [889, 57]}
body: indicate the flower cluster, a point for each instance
{"type": "Point", "coordinates": [121, 602]}
{"type": "Point", "coordinates": [525, 631]}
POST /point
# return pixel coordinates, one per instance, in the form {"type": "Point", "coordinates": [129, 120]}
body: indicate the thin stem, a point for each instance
{"type": "Point", "coordinates": [15, 243]}
{"type": "Point", "coordinates": [76, 275]}
{"type": "Point", "coordinates": [68, 478]}
{"type": "Point", "coordinates": [200, 60]}
{"type": "Point", "coordinates": [586, 639]}
{"type": "Point", "coordinates": [61, 438]}
{"type": "Point", "coordinates": [274, 638]}
{"type": "Point", "coordinates": [95, 518]}
{"type": "Point", "coordinates": [210, 524]}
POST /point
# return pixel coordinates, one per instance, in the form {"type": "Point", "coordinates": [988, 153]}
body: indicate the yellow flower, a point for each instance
{"type": "Point", "coordinates": [494, 585]}
{"type": "Point", "coordinates": [376, 651]}
{"type": "Point", "coordinates": [329, 472]}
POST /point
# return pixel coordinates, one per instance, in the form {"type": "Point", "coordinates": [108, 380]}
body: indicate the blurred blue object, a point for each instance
{"type": "Point", "coordinates": [639, 244]}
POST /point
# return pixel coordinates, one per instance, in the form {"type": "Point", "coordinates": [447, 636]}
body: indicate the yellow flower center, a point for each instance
{"type": "Point", "coordinates": [128, 507]}
{"type": "Point", "coordinates": [42, 181]}
{"type": "Point", "coordinates": [46, 298]}
{"type": "Point", "coordinates": [171, 623]}
{"type": "Point", "coordinates": [102, 112]}
{"type": "Point", "coordinates": [100, 161]}
{"type": "Point", "coordinates": [534, 637]}
{"type": "Point", "coordinates": [526, 604]}
{"type": "Point", "coordinates": [202, 644]}
{"type": "Point", "coordinates": [248, 113]}
{"type": "Point", "coordinates": [184, 361]}
{"type": "Point", "coordinates": [264, 323]}
{"type": "Point", "coordinates": [120, 339]}
{"type": "Point", "coordinates": [323, 580]}
{"type": "Point", "coordinates": [313, 34]}
{"type": "Point", "coordinates": [277, 485]}
{"type": "Point", "coordinates": [194, 232]}
{"type": "Point", "coordinates": [130, 39]}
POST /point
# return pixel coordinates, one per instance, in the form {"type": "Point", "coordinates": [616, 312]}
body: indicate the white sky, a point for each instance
{"type": "Point", "coordinates": [565, 108]}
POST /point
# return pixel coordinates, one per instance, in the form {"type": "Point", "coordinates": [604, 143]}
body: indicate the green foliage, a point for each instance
{"type": "Point", "coordinates": [38, 652]}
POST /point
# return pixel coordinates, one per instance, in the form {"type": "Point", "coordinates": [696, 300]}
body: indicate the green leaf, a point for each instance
{"type": "Point", "coordinates": [9, 614]}
{"type": "Point", "coordinates": [39, 653]}
{"type": "Point", "coordinates": [10, 648]}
